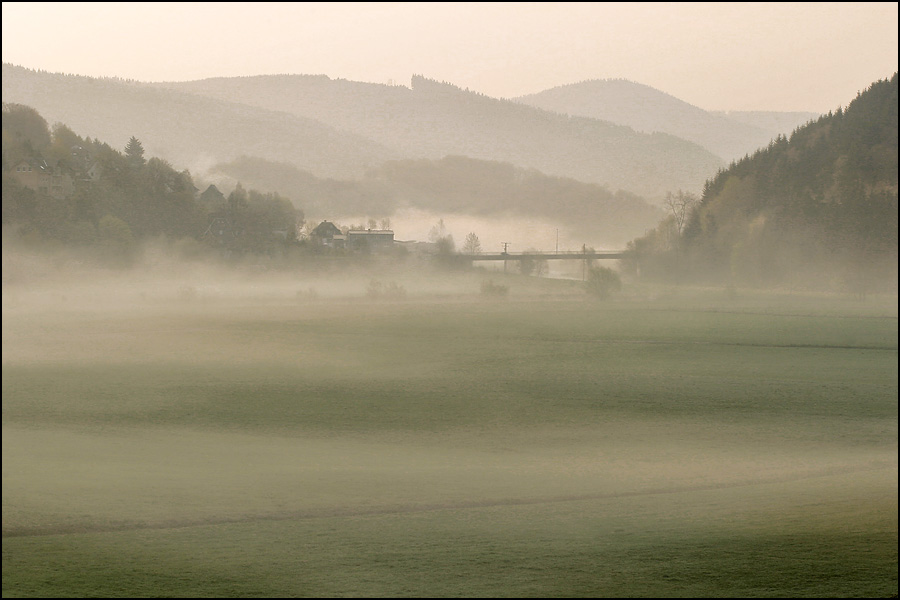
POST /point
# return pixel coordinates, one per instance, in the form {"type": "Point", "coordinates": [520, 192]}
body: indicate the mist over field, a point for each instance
{"type": "Point", "coordinates": [179, 405]}
{"type": "Point", "coordinates": [210, 395]}
{"type": "Point", "coordinates": [450, 332]}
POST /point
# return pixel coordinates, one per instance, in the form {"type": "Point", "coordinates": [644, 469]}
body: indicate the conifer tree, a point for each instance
{"type": "Point", "coordinates": [134, 151]}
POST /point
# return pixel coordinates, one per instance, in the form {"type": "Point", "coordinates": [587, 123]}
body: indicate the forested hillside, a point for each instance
{"type": "Point", "coordinates": [60, 189]}
{"type": "Point", "coordinates": [433, 119]}
{"type": "Point", "coordinates": [817, 208]}
{"type": "Point", "coordinates": [456, 185]}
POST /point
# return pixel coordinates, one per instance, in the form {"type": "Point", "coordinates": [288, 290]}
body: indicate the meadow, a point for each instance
{"type": "Point", "coordinates": [252, 439]}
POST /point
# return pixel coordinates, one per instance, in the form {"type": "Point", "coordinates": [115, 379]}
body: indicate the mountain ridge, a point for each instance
{"type": "Point", "coordinates": [188, 130]}
{"type": "Point", "coordinates": [647, 109]}
{"type": "Point", "coordinates": [432, 119]}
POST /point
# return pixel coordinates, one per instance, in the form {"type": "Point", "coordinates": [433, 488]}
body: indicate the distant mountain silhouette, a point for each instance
{"type": "Point", "coordinates": [729, 135]}
{"type": "Point", "coordinates": [432, 120]}
{"type": "Point", "coordinates": [190, 131]}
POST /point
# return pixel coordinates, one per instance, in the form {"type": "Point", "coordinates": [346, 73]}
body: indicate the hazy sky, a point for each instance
{"type": "Point", "coordinates": [810, 56]}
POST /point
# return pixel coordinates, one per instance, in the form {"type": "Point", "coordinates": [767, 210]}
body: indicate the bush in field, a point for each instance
{"type": "Point", "coordinates": [603, 282]}
{"type": "Point", "coordinates": [375, 289]}
{"type": "Point", "coordinates": [489, 288]}
{"type": "Point", "coordinates": [188, 293]}
{"type": "Point", "coordinates": [308, 295]}
{"type": "Point", "coordinates": [390, 291]}
{"type": "Point", "coordinates": [394, 291]}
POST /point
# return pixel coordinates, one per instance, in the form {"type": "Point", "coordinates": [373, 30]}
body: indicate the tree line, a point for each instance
{"type": "Point", "coordinates": [112, 200]}
{"type": "Point", "coordinates": [818, 208]}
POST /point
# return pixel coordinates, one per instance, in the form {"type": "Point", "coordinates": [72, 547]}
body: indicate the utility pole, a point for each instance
{"type": "Point", "coordinates": [557, 240]}
{"type": "Point", "coordinates": [505, 246]}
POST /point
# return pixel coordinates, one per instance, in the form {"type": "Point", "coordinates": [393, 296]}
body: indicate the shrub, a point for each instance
{"type": "Point", "coordinates": [390, 291]}
{"type": "Point", "coordinates": [603, 282]}
{"type": "Point", "coordinates": [489, 288]}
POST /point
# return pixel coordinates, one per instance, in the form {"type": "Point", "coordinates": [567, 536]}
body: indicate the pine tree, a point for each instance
{"type": "Point", "coordinates": [134, 151]}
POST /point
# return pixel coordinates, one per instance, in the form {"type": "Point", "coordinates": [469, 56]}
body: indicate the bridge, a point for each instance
{"type": "Point", "coordinates": [566, 255]}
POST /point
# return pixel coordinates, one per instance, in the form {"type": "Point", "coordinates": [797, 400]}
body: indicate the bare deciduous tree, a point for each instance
{"type": "Point", "coordinates": [680, 205]}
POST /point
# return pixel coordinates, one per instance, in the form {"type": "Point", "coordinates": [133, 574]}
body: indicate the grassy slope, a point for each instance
{"type": "Point", "coordinates": [676, 446]}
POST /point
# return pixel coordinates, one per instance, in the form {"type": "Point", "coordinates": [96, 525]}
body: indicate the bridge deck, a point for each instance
{"type": "Point", "coordinates": [574, 255]}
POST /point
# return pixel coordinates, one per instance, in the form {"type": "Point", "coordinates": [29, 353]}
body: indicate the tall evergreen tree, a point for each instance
{"type": "Point", "coordinates": [134, 151]}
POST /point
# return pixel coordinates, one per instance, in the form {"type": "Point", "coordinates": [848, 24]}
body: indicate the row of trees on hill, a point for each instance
{"type": "Point", "coordinates": [459, 185]}
{"type": "Point", "coordinates": [112, 200]}
{"type": "Point", "coordinates": [818, 208]}
{"type": "Point", "coordinates": [118, 199]}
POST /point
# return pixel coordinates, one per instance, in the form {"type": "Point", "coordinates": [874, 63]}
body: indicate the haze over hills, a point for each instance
{"type": "Point", "coordinates": [333, 146]}
{"type": "Point", "coordinates": [189, 131]}
{"type": "Point", "coordinates": [776, 122]}
{"type": "Point", "coordinates": [729, 135]}
{"type": "Point", "coordinates": [433, 119]}
{"type": "Point", "coordinates": [455, 186]}
{"type": "Point", "coordinates": [73, 189]}
{"type": "Point", "coordinates": [339, 128]}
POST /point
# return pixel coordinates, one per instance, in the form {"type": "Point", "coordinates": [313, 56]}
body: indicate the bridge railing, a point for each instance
{"type": "Point", "coordinates": [539, 253]}
{"type": "Point", "coordinates": [563, 254]}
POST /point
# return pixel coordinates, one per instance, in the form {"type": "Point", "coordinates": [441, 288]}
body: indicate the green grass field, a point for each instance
{"type": "Point", "coordinates": [667, 443]}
